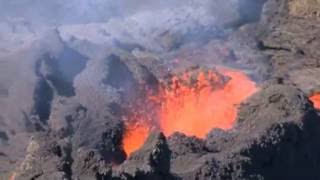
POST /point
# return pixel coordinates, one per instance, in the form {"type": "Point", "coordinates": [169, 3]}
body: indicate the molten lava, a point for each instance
{"type": "Point", "coordinates": [195, 110]}
{"type": "Point", "coordinates": [135, 135]}
{"type": "Point", "coordinates": [192, 104]}
{"type": "Point", "coordinates": [316, 100]}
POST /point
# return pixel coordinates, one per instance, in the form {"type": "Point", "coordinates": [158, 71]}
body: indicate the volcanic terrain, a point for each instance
{"type": "Point", "coordinates": [206, 89]}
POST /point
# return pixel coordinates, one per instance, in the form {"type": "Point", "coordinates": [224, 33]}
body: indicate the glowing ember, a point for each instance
{"type": "Point", "coordinates": [316, 100]}
{"type": "Point", "coordinates": [197, 109]}
{"type": "Point", "coordinates": [135, 135]}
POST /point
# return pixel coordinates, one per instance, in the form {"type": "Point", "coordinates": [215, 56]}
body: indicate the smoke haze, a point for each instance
{"type": "Point", "coordinates": [75, 11]}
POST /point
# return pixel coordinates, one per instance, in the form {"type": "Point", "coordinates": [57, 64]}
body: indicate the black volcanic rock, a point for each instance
{"type": "Point", "coordinates": [276, 136]}
{"type": "Point", "coordinates": [181, 144]}
{"type": "Point", "coordinates": [89, 164]}
{"type": "Point", "coordinates": [278, 132]}
{"type": "Point", "coordinates": [288, 33]}
{"type": "Point", "coordinates": [46, 158]}
{"type": "Point", "coordinates": [217, 138]}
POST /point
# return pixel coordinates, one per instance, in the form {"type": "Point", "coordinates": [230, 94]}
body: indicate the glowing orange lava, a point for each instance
{"type": "Point", "coordinates": [192, 104]}
{"type": "Point", "coordinates": [135, 135]}
{"type": "Point", "coordinates": [196, 110]}
{"type": "Point", "coordinates": [316, 100]}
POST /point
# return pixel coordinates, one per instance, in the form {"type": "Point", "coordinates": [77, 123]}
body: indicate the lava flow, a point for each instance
{"type": "Point", "coordinates": [316, 100]}
{"type": "Point", "coordinates": [197, 109]}
{"type": "Point", "coordinates": [135, 135]}
{"type": "Point", "coordinates": [193, 104]}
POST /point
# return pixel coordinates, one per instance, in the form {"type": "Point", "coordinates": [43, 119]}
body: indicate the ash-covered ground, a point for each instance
{"type": "Point", "coordinates": [65, 88]}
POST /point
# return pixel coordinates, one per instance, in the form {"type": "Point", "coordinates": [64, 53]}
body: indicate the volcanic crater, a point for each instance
{"type": "Point", "coordinates": [233, 99]}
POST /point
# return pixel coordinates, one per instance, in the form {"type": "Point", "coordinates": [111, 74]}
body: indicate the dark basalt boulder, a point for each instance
{"type": "Point", "coordinates": [217, 138]}
{"type": "Point", "coordinates": [181, 144]}
{"type": "Point", "coordinates": [195, 166]}
{"type": "Point", "coordinates": [89, 164]}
